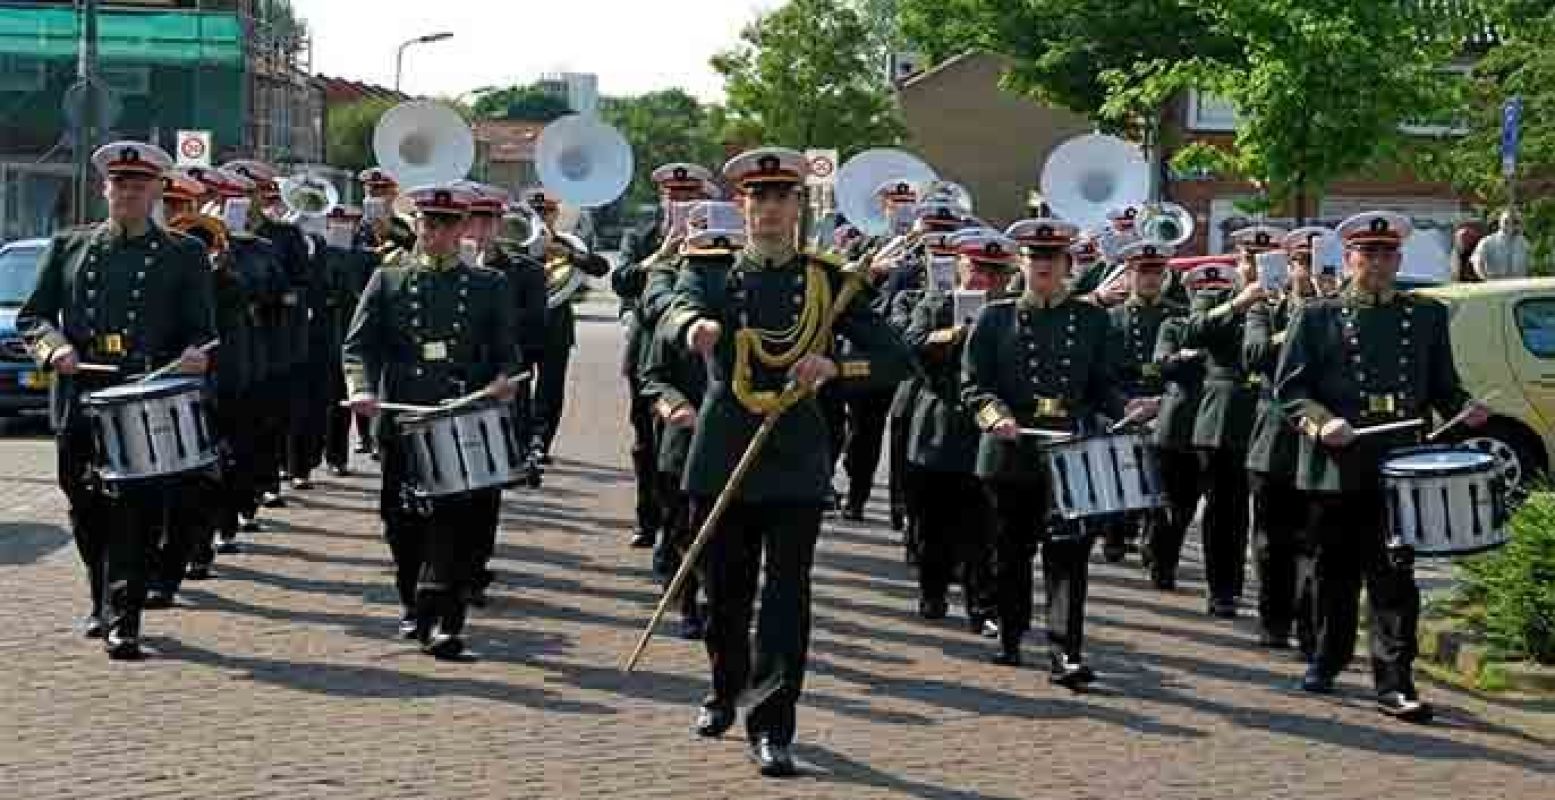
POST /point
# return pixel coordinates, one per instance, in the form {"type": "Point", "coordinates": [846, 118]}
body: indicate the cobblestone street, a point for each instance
{"type": "Point", "coordinates": [283, 678]}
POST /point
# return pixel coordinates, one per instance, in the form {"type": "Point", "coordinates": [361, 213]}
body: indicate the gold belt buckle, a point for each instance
{"type": "Point", "coordinates": [1051, 407]}
{"type": "Point", "coordinates": [111, 344]}
{"type": "Point", "coordinates": [1150, 369]}
{"type": "Point", "coordinates": [1382, 404]}
{"type": "Point", "coordinates": [434, 351]}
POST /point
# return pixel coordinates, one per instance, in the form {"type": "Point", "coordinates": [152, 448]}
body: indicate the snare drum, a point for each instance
{"type": "Point", "coordinates": [154, 429]}
{"type": "Point", "coordinates": [1105, 474]}
{"type": "Point", "coordinates": [1444, 501]}
{"type": "Point", "coordinates": [463, 450]}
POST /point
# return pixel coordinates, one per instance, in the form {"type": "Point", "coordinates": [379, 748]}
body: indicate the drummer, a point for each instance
{"type": "Point", "coordinates": [131, 296]}
{"type": "Point", "coordinates": [1044, 361]}
{"type": "Point", "coordinates": [1372, 355]}
{"type": "Point", "coordinates": [430, 327]}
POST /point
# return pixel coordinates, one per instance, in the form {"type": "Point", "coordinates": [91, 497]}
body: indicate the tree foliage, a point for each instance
{"type": "Point", "coordinates": [663, 127]}
{"type": "Point", "coordinates": [808, 75]}
{"type": "Point", "coordinates": [349, 134]}
{"type": "Point", "coordinates": [527, 103]}
{"type": "Point", "coordinates": [1320, 88]}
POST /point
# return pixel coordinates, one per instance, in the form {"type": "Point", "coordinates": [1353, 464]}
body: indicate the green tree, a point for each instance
{"type": "Point", "coordinates": [349, 134]}
{"type": "Point", "coordinates": [808, 75]}
{"type": "Point", "coordinates": [1061, 48]}
{"type": "Point", "coordinates": [527, 103]}
{"type": "Point", "coordinates": [1320, 88]}
{"type": "Point", "coordinates": [663, 127]}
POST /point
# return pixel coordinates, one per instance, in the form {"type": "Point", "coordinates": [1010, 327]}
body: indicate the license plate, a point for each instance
{"type": "Point", "coordinates": [37, 380]}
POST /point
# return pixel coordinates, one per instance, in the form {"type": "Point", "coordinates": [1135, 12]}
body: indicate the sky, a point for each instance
{"type": "Point", "coordinates": [634, 46]}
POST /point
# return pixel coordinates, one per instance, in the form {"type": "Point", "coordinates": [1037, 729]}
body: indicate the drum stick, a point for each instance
{"type": "Point", "coordinates": [405, 407]}
{"type": "Point", "coordinates": [1389, 427]}
{"type": "Point", "coordinates": [1126, 421]}
{"type": "Point", "coordinates": [1046, 433]}
{"type": "Point", "coordinates": [1462, 415]}
{"type": "Point", "coordinates": [169, 367]}
{"type": "Point", "coordinates": [86, 367]}
{"type": "Point", "coordinates": [484, 393]}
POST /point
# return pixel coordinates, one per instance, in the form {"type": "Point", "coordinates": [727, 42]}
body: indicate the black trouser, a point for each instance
{"type": "Point", "coordinates": [435, 544]}
{"type": "Point", "coordinates": [785, 533]}
{"type": "Point", "coordinates": [1022, 522]}
{"type": "Point", "coordinates": [112, 530]}
{"type": "Point", "coordinates": [645, 460]}
{"type": "Point", "coordinates": [1344, 547]}
{"type": "Point", "coordinates": [834, 408]}
{"type": "Point", "coordinates": [551, 393]}
{"type": "Point", "coordinates": [338, 420]}
{"type": "Point", "coordinates": [676, 537]}
{"type": "Point", "coordinates": [866, 414]}
{"type": "Point", "coordinates": [915, 500]}
{"type": "Point", "coordinates": [1225, 521]}
{"type": "Point", "coordinates": [1280, 513]}
{"type": "Point", "coordinates": [183, 534]}
{"type": "Point", "coordinates": [309, 397]}
{"type": "Point", "coordinates": [271, 421]}
{"type": "Point", "coordinates": [1182, 476]}
{"type": "Point", "coordinates": [898, 426]}
{"type": "Point", "coordinates": [954, 539]}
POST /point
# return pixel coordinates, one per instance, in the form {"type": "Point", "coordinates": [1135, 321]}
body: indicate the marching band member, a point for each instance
{"type": "Point", "coordinates": [1041, 360]}
{"type": "Point", "coordinates": [954, 527]}
{"type": "Point", "coordinates": [431, 327]}
{"type": "Point", "coordinates": [560, 322]}
{"type": "Point", "coordinates": [127, 293]}
{"type": "Point", "coordinates": [1182, 469]}
{"type": "Point", "coordinates": [676, 183]}
{"type": "Point", "coordinates": [1371, 356]}
{"type": "Point", "coordinates": [761, 322]}
{"type": "Point", "coordinates": [1136, 322]}
{"type": "Point", "coordinates": [1278, 507]}
{"type": "Point", "coordinates": [1225, 419]}
{"type": "Point", "coordinates": [388, 230]}
{"type": "Point", "coordinates": [350, 268]}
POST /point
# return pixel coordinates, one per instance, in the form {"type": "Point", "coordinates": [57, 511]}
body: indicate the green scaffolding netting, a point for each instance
{"type": "Point", "coordinates": [153, 37]}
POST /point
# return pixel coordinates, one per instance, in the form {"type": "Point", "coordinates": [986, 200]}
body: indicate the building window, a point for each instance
{"type": "Point", "coordinates": [127, 81]}
{"type": "Point", "coordinates": [1206, 112]}
{"type": "Point", "coordinates": [19, 73]}
{"type": "Point", "coordinates": [1536, 323]}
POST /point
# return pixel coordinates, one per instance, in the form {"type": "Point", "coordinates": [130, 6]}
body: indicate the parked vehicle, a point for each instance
{"type": "Point", "coordinates": [23, 387]}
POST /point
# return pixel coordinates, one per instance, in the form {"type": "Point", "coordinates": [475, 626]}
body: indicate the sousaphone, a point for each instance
{"type": "Point", "coordinates": [587, 164]}
{"type": "Point", "coordinates": [423, 142]}
{"type": "Point", "coordinates": [858, 180]}
{"type": "Point", "coordinates": [1087, 176]}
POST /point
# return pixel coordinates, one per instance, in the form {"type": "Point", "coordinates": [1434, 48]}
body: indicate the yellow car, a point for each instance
{"type": "Point", "coordinates": [1503, 340]}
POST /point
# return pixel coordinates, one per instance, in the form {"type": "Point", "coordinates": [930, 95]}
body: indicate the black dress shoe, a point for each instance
{"type": "Point", "coordinates": [773, 760]}
{"type": "Point", "coordinates": [1069, 672]}
{"type": "Point", "coordinates": [198, 572]}
{"type": "Point", "coordinates": [644, 538]}
{"type": "Point", "coordinates": [248, 524]}
{"type": "Point", "coordinates": [272, 500]}
{"type": "Point", "coordinates": [364, 447]}
{"type": "Point", "coordinates": [1008, 657]}
{"type": "Point", "coordinates": [92, 627]}
{"type": "Point", "coordinates": [545, 460]}
{"type": "Point", "coordinates": [444, 646]}
{"type": "Point", "coordinates": [339, 471]}
{"type": "Point", "coordinates": [1114, 552]}
{"type": "Point", "coordinates": [692, 628]}
{"type": "Point", "coordinates": [122, 646]}
{"type": "Point", "coordinates": [933, 608]}
{"type": "Point", "coordinates": [478, 598]}
{"type": "Point", "coordinates": [713, 721]}
{"type": "Point", "coordinates": [853, 513]}
{"type": "Point", "coordinates": [302, 484]}
{"type": "Point", "coordinates": [1163, 582]}
{"type": "Point", "coordinates": [1222, 608]}
{"type": "Point", "coordinates": [1317, 681]}
{"type": "Point", "coordinates": [1404, 707]}
{"type": "Point", "coordinates": [158, 600]}
{"type": "Point", "coordinates": [408, 628]}
{"type": "Point", "coordinates": [1274, 640]}
{"type": "Point", "coordinates": [898, 519]}
{"type": "Point", "coordinates": [228, 546]}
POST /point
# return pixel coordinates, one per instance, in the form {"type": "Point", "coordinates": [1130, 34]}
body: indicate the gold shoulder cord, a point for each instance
{"type": "Point", "coordinates": [810, 335]}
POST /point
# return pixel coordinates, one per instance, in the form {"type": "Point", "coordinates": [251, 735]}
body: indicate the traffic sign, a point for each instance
{"type": "Point", "coordinates": [194, 148]}
{"type": "Point", "coordinates": [1511, 134]}
{"type": "Point", "coordinates": [823, 167]}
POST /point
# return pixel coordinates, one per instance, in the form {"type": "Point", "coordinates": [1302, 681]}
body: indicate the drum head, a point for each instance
{"type": "Point", "coordinates": [1438, 461]}
{"type": "Point", "coordinates": [149, 390]}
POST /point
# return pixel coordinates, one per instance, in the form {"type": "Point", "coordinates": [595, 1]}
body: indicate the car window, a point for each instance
{"type": "Point", "coordinates": [1536, 323]}
{"type": "Point", "coordinates": [18, 267]}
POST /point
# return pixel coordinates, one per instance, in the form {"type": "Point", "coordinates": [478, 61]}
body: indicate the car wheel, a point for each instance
{"type": "Point", "coordinates": [1519, 461]}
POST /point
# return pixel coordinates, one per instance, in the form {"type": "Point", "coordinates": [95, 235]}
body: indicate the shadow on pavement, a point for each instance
{"type": "Point", "coordinates": [838, 768]}
{"type": "Point", "coordinates": [24, 543]}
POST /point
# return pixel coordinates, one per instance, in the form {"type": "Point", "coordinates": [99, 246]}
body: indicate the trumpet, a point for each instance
{"type": "Point", "coordinates": [208, 229]}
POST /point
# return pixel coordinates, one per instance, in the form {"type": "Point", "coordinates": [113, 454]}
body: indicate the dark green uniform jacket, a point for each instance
{"type": "Point", "coordinates": [233, 361]}
{"type": "Point", "coordinates": [1370, 360]}
{"type": "Point", "coordinates": [561, 327]}
{"type": "Point", "coordinates": [291, 252]}
{"type": "Point", "coordinates": [526, 279]}
{"type": "Point", "coordinates": [1272, 450]}
{"type": "Point", "coordinates": [899, 319]}
{"type": "Point", "coordinates": [255, 265]}
{"type": "Point", "coordinates": [136, 303]}
{"type": "Point", "coordinates": [424, 333]}
{"type": "Point", "coordinates": [1136, 324]}
{"type": "Point", "coordinates": [628, 282]}
{"type": "Point", "coordinates": [1183, 372]}
{"type": "Point", "coordinates": [1230, 396]}
{"type": "Point", "coordinates": [742, 292]}
{"type": "Point", "coordinates": [1045, 366]}
{"type": "Point", "coordinates": [943, 437]}
{"type": "Point", "coordinates": [672, 376]}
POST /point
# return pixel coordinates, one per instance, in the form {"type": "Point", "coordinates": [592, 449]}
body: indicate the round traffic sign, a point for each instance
{"type": "Point", "coordinates": [822, 166]}
{"type": "Point", "coordinates": [192, 147]}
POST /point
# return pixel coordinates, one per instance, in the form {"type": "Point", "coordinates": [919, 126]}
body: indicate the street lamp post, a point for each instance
{"type": "Point", "coordinates": [399, 55]}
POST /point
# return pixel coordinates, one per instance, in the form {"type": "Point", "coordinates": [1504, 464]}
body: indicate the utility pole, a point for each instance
{"type": "Point", "coordinates": [88, 121]}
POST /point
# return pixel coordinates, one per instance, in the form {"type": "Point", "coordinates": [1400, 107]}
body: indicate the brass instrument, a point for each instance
{"type": "Point", "coordinates": [208, 229]}
{"type": "Point", "coordinates": [563, 279]}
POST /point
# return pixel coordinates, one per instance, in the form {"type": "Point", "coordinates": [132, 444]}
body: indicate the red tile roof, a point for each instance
{"type": "Point", "coordinates": [508, 140]}
{"type": "Point", "coordinates": [340, 91]}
